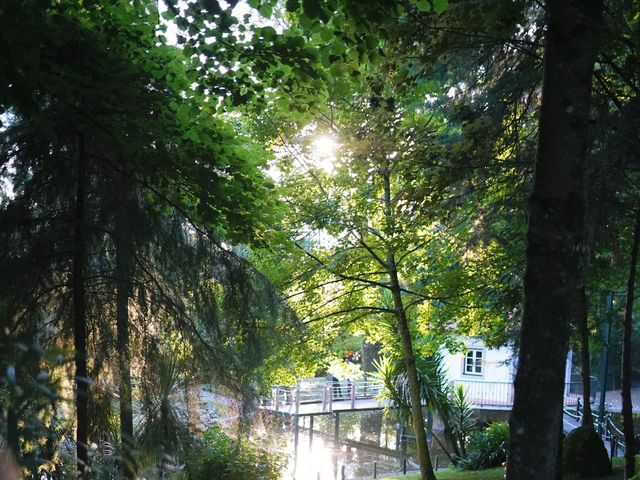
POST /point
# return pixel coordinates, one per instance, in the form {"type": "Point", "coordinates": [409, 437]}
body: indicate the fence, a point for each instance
{"type": "Point", "coordinates": [480, 394]}
{"type": "Point", "coordinates": [609, 431]}
{"type": "Point", "coordinates": [289, 399]}
{"type": "Point", "coordinates": [501, 394]}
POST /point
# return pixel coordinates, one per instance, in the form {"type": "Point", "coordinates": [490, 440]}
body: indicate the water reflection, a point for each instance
{"type": "Point", "coordinates": [365, 438]}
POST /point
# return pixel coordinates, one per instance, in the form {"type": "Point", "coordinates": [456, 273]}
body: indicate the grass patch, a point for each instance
{"type": "Point", "coordinates": [490, 474]}
{"type": "Point", "coordinates": [498, 473]}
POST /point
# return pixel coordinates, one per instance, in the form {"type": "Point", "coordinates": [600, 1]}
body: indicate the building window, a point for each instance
{"type": "Point", "coordinates": [473, 362]}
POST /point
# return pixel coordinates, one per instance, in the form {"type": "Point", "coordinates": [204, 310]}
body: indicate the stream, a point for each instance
{"type": "Point", "coordinates": [367, 440]}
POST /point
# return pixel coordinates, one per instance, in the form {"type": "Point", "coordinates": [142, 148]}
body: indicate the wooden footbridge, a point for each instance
{"type": "Point", "coordinates": [318, 396]}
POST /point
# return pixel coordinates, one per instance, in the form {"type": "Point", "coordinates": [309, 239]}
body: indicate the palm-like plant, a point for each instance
{"type": "Point", "coordinates": [433, 384]}
{"type": "Point", "coordinates": [461, 420]}
{"type": "Point", "coordinates": [162, 427]}
{"type": "Point", "coordinates": [437, 395]}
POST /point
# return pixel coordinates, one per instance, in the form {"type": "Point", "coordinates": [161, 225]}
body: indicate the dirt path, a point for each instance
{"type": "Point", "coordinates": [613, 399]}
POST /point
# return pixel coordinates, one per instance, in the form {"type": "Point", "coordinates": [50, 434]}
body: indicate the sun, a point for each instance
{"type": "Point", "coordinates": [325, 149]}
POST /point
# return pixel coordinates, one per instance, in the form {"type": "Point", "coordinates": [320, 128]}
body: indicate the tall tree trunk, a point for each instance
{"type": "Point", "coordinates": [124, 273]}
{"type": "Point", "coordinates": [80, 313]}
{"type": "Point", "coordinates": [555, 230]}
{"type": "Point", "coordinates": [585, 357]}
{"type": "Point", "coordinates": [627, 406]}
{"type": "Point", "coordinates": [426, 468]}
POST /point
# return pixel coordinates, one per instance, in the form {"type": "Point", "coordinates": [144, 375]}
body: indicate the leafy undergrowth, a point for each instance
{"type": "Point", "coordinates": [498, 473]}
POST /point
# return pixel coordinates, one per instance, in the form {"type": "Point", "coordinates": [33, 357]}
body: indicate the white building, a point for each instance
{"type": "Point", "coordinates": [487, 374]}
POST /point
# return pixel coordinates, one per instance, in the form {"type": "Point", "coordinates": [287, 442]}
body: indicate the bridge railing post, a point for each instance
{"type": "Point", "coordinates": [296, 392]}
{"type": "Point", "coordinates": [353, 395]}
{"type": "Point", "coordinates": [324, 398]}
{"type": "Point", "coordinates": [331, 397]}
{"type": "Point", "coordinates": [614, 446]}
{"type": "Point", "coordinates": [277, 398]}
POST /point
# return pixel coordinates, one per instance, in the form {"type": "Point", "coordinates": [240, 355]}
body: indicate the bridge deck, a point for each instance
{"type": "Point", "coordinates": [318, 397]}
{"type": "Point", "coordinates": [317, 408]}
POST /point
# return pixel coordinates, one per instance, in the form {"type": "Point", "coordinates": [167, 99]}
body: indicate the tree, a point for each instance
{"type": "Point", "coordinates": [556, 217]}
{"type": "Point", "coordinates": [134, 114]}
{"type": "Point", "coordinates": [388, 251]}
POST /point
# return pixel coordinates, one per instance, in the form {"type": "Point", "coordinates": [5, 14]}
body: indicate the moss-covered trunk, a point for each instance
{"type": "Point", "coordinates": [554, 238]}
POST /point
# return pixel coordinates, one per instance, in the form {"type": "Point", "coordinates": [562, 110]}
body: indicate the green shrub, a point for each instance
{"type": "Point", "coordinates": [487, 448]}
{"type": "Point", "coordinates": [219, 457]}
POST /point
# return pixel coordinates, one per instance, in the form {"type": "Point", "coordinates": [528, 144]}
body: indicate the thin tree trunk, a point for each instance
{"type": "Point", "coordinates": [450, 437]}
{"type": "Point", "coordinates": [443, 447]}
{"type": "Point", "coordinates": [124, 272]}
{"type": "Point", "coordinates": [555, 231]}
{"type": "Point", "coordinates": [426, 468]}
{"type": "Point", "coordinates": [463, 446]}
{"type": "Point", "coordinates": [80, 314]}
{"type": "Point", "coordinates": [585, 357]}
{"type": "Point", "coordinates": [558, 475]}
{"type": "Point", "coordinates": [627, 406]}
{"type": "Point", "coordinates": [13, 437]}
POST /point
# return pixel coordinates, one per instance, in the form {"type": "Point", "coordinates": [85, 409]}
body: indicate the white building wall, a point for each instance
{"type": "Point", "coordinates": [493, 385]}
{"type": "Point", "coordinates": [497, 365]}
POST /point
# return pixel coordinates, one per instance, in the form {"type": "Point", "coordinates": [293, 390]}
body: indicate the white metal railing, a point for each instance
{"type": "Point", "coordinates": [501, 394]}
{"type": "Point", "coordinates": [479, 393]}
{"type": "Point", "coordinates": [289, 399]}
{"type": "Point", "coordinates": [610, 432]}
{"type": "Point", "coordinates": [483, 394]}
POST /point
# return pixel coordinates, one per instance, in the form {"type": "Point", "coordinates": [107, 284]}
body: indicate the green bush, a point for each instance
{"type": "Point", "coordinates": [487, 448]}
{"type": "Point", "coordinates": [219, 457]}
